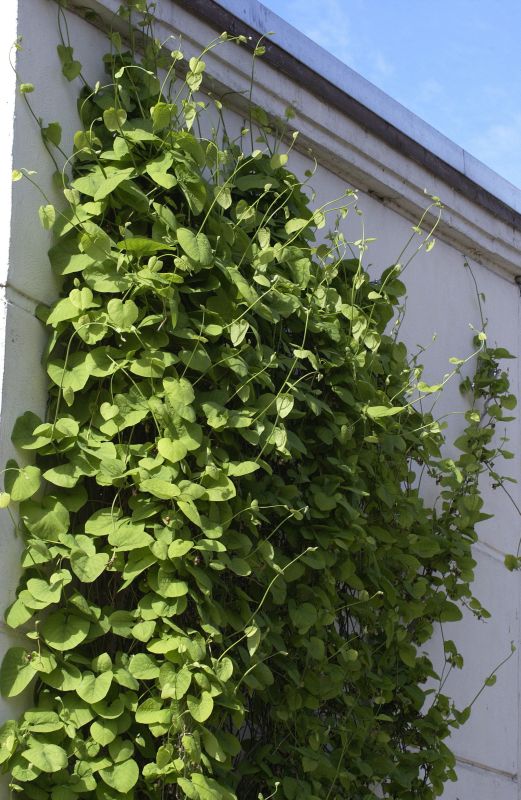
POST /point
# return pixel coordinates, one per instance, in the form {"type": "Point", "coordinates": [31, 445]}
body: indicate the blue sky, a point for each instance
{"type": "Point", "coordinates": [455, 63]}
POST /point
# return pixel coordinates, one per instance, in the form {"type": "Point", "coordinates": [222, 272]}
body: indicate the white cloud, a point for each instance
{"type": "Point", "coordinates": [499, 146]}
{"type": "Point", "coordinates": [382, 65]}
{"type": "Point", "coordinates": [429, 90]}
{"type": "Point", "coordinates": [331, 26]}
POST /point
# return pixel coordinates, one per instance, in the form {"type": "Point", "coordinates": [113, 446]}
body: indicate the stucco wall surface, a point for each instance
{"type": "Point", "coordinates": [442, 304]}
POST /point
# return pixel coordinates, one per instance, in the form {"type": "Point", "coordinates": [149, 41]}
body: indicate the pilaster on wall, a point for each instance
{"type": "Point", "coordinates": [9, 549]}
{"type": "Point", "coordinates": [25, 275]}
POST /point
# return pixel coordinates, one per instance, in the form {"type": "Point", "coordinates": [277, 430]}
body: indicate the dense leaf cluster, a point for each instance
{"type": "Point", "coordinates": [230, 575]}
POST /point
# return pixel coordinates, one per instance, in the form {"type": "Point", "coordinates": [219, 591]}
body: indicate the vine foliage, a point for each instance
{"type": "Point", "coordinates": [230, 576]}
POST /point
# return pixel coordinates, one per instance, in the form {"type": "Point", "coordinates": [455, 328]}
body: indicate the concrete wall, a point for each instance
{"type": "Point", "coordinates": [442, 298]}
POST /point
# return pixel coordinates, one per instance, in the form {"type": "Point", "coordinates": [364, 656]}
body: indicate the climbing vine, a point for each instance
{"type": "Point", "coordinates": [230, 576]}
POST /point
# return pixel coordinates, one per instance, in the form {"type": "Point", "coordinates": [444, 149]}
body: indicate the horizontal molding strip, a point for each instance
{"type": "Point", "coordinates": [222, 19]}
{"type": "Point", "coordinates": [347, 136]}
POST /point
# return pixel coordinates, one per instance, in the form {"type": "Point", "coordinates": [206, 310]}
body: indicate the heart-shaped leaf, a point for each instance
{"type": "Point", "coordinates": [196, 246]}
{"type": "Point", "coordinates": [121, 313]}
{"type": "Point", "coordinates": [94, 688]}
{"type": "Point", "coordinates": [88, 567]}
{"type": "Point", "coordinates": [200, 707]}
{"type": "Point", "coordinates": [63, 630]}
{"type": "Point", "coordinates": [16, 672]}
{"type": "Point", "coordinates": [114, 118]}
{"type": "Point", "coordinates": [21, 483]}
{"type": "Point", "coordinates": [122, 777]}
{"type": "Point", "coordinates": [47, 757]}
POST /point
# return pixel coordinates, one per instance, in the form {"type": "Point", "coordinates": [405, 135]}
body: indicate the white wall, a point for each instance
{"type": "Point", "coordinates": [442, 301]}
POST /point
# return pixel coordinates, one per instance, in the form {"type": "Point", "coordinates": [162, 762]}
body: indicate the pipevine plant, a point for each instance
{"type": "Point", "coordinates": [230, 576]}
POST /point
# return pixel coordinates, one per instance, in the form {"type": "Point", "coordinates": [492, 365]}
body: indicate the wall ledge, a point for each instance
{"type": "Point", "coordinates": [367, 138]}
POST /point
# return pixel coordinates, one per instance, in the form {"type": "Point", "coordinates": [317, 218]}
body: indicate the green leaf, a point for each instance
{"type": "Point", "coordinates": [303, 616]}
{"type": "Point", "coordinates": [42, 721]}
{"type": "Point", "coordinates": [143, 667]}
{"type": "Point", "coordinates": [66, 259]}
{"type": "Point", "coordinates": [218, 489]}
{"type": "Point", "coordinates": [46, 519]}
{"type": "Point", "coordinates": [47, 216]}
{"type": "Point", "coordinates": [121, 750]}
{"type": "Point", "coordinates": [87, 566]}
{"type": "Point", "coordinates": [150, 712]}
{"type": "Point", "coordinates": [128, 536]}
{"type": "Point", "coordinates": [65, 475]}
{"type": "Point", "coordinates": [189, 509]}
{"type": "Point", "coordinates": [140, 246]}
{"type": "Point", "coordinates": [253, 637]}
{"type": "Point", "coordinates": [18, 614]}
{"type": "Point", "coordinates": [180, 396]}
{"type": "Point", "coordinates": [426, 548]}
{"type": "Point", "coordinates": [108, 185]}
{"type": "Point", "coordinates": [407, 653]}
{"type": "Point", "coordinates": [238, 331]}
{"type": "Point", "coordinates": [143, 631]}
{"type": "Point", "coordinates": [224, 669]}
{"type": "Point", "coordinates": [284, 405]}
{"type": "Point", "coordinates": [81, 299]}
{"type": "Point", "coordinates": [376, 412]}
{"type": "Point", "coordinates": [8, 740]}
{"type": "Point", "coordinates": [5, 499]}
{"type": "Point", "coordinates": [63, 630]}
{"type": "Point", "coordinates": [88, 184]}
{"type": "Point", "coordinates": [200, 707]}
{"type": "Point", "coordinates": [95, 242]}
{"type": "Point", "coordinates": [65, 678]}
{"type": "Point", "coordinates": [159, 487]}
{"type": "Point", "coordinates": [102, 522]}
{"type": "Point", "coordinates": [104, 731]}
{"type": "Point", "coordinates": [296, 225]}
{"type": "Point", "coordinates": [240, 468]}
{"type": "Point", "coordinates": [44, 592]}
{"type": "Point", "coordinates": [196, 246]}
{"type": "Point", "coordinates": [174, 682]}
{"type": "Point", "coordinates": [122, 314]}
{"type": "Point", "coordinates": [450, 613]}
{"type": "Point", "coordinates": [21, 483]}
{"type": "Point", "coordinates": [169, 586]}
{"type": "Point", "coordinates": [114, 119]}
{"type": "Point", "coordinates": [22, 435]}
{"type": "Point", "coordinates": [122, 777]}
{"type": "Point", "coordinates": [189, 789]}
{"type": "Point", "coordinates": [93, 688]}
{"type": "Point", "coordinates": [158, 170]}
{"type": "Point", "coordinates": [511, 562]}
{"type": "Point", "coordinates": [278, 160]}
{"type": "Point", "coordinates": [179, 548]}
{"type": "Point", "coordinates": [52, 133]}
{"type": "Point", "coordinates": [213, 747]}
{"type": "Point", "coordinates": [71, 70]}
{"type": "Point", "coordinates": [223, 196]}
{"type": "Point", "coordinates": [16, 672]}
{"type": "Point", "coordinates": [162, 115]}
{"type": "Point", "coordinates": [47, 757]}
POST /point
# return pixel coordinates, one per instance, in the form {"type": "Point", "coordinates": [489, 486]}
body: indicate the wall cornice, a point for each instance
{"type": "Point", "coordinates": [354, 129]}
